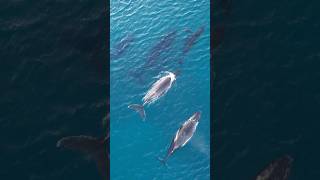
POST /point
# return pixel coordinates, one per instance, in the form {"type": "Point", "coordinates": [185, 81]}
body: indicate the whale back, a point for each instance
{"type": "Point", "coordinates": [158, 89]}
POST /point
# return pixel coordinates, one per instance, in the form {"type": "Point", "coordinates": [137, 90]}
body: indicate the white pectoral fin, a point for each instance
{"type": "Point", "coordinates": [176, 136]}
{"type": "Point", "coordinates": [186, 142]}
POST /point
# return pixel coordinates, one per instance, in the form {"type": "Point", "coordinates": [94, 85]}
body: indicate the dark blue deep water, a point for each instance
{"type": "Point", "coordinates": [53, 75]}
{"type": "Point", "coordinates": [266, 91]}
{"type": "Point", "coordinates": [54, 83]}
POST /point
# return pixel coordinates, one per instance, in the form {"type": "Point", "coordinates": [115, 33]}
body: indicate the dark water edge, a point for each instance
{"type": "Point", "coordinates": [54, 83]}
{"type": "Point", "coordinates": [266, 90]}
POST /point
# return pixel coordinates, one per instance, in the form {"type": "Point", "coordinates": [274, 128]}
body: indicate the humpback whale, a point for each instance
{"type": "Point", "coordinates": [183, 135]}
{"type": "Point", "coordinates": [97, 149]}
{"type": "Point", "coordinates": [192, 39]}
{"type": "Point", "coordinates": [152, 58]}
{"type": "Point", "coordinates": [164, 44]}
{"type": "Point", "coordinates": [120, 48]}
{"type": "Point", "coordinates": [278, 169]}
{"type": "Point", "coordinates": [189, 42]}
{"type": "Point", "coordinates": [157, 90]}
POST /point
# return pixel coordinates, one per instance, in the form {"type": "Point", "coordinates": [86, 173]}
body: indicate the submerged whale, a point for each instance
{"type": "Point", "coordinates": [278, 169]}
{"type": "Point", "coordinates": [154, 55]}
{"type": "Point", "coordinates": [157, 90]}
{"type": "Point", "coordinates": [192, 39]}
{"type": "Point", "coordinates": [160, 47]}
{"type": "Point", "coordinates": [183, 135]}
{"type": "Point", "coordinates": [189, 42]}
{"type": "Point", "coordinates": [120, 48]}
{"type": "Point", "coordinates": [97, 149]}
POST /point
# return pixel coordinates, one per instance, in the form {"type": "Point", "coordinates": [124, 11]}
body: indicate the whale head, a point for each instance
{"type": "Point", "coordinates": [172, 76]}
{"type": "Point", "coordinates": [196, 116]}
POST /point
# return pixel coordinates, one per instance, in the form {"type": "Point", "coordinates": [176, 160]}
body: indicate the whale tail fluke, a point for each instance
{"type": "Point", "coordinates": [163, 161]}
{"type": "Point", "coordinates": [139, 109]}
{"type": "Point", "coordinates": [90, 146]}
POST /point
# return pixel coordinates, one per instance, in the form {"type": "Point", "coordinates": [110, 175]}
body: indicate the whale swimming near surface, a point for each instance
{"type": "Point", "coordinates": [157, 90]}
{"type": "Point", "coordinates": [191, 39]}
{"type": "Point", "coordinates": [189, 42]}
{"type": "Point", "coordinates": [154, 54]}
{"type": "Point", "coordinates": [163, 45]}
{"type": "Point", "coordinates": [120, 48]}
{"type": "Point", "coordinates": [183, 135]}
{"type": "Point", "coordinates": [278, 169]}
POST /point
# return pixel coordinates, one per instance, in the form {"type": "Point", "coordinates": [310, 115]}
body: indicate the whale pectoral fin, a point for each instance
{"type": "Point", "coordinates": [91, 146]}
{"type": "Point", "coordinates": [163, 161]}
{"type": "Point", "coordinates": [186, 142]}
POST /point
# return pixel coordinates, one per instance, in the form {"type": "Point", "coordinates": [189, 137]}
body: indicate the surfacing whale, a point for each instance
{"type": "Point", "coordinates": [183, 135]}
{"type": "Point", "coordinates": [157, 90]}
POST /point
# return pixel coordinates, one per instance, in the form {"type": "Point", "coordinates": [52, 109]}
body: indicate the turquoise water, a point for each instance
{"type": "Point", "coordinates": [135, 145]}
{"type": "Point", "coordinates": [54, 83]}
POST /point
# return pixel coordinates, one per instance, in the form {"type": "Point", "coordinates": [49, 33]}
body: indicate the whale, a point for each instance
{"type": "Point", "coordinates": [163, 45]}
{"type": "Point", "coordinates": [152, 59]}
{"type": "Point", "coordinates": [157, 90]}
{"type": "Point", "coordinates": [183, 135]}
{"type": "Point", "coordinates": [94, 148]}
{"type": "Point", "coordinates": [97, 149]}
{"type": "Point", "coordinates": [278, 169]}
{"type": "Point", "coordinates": [120, 48]}
{"type": "Point", "coordinates": [191, 40]}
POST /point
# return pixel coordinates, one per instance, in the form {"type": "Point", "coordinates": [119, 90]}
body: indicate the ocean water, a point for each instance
{"type": "Point", "coordinates": [266, 90]}
{"type": "Point", "coordinates": [136, 145]}
{"type": "Point", "coordinates": [54, 81]}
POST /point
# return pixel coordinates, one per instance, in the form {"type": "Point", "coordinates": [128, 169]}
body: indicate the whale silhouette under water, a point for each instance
{"type": "Point", "coordinates": [154, 55]}
{"type": "Point", "coordinates": [119, 49]}
{"type": "Point", "coordinates": [278, 169]}
{"type": "Point", "coordinates": [94, 148]}
{"type": "Point", "coordinates": [97, 149]}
